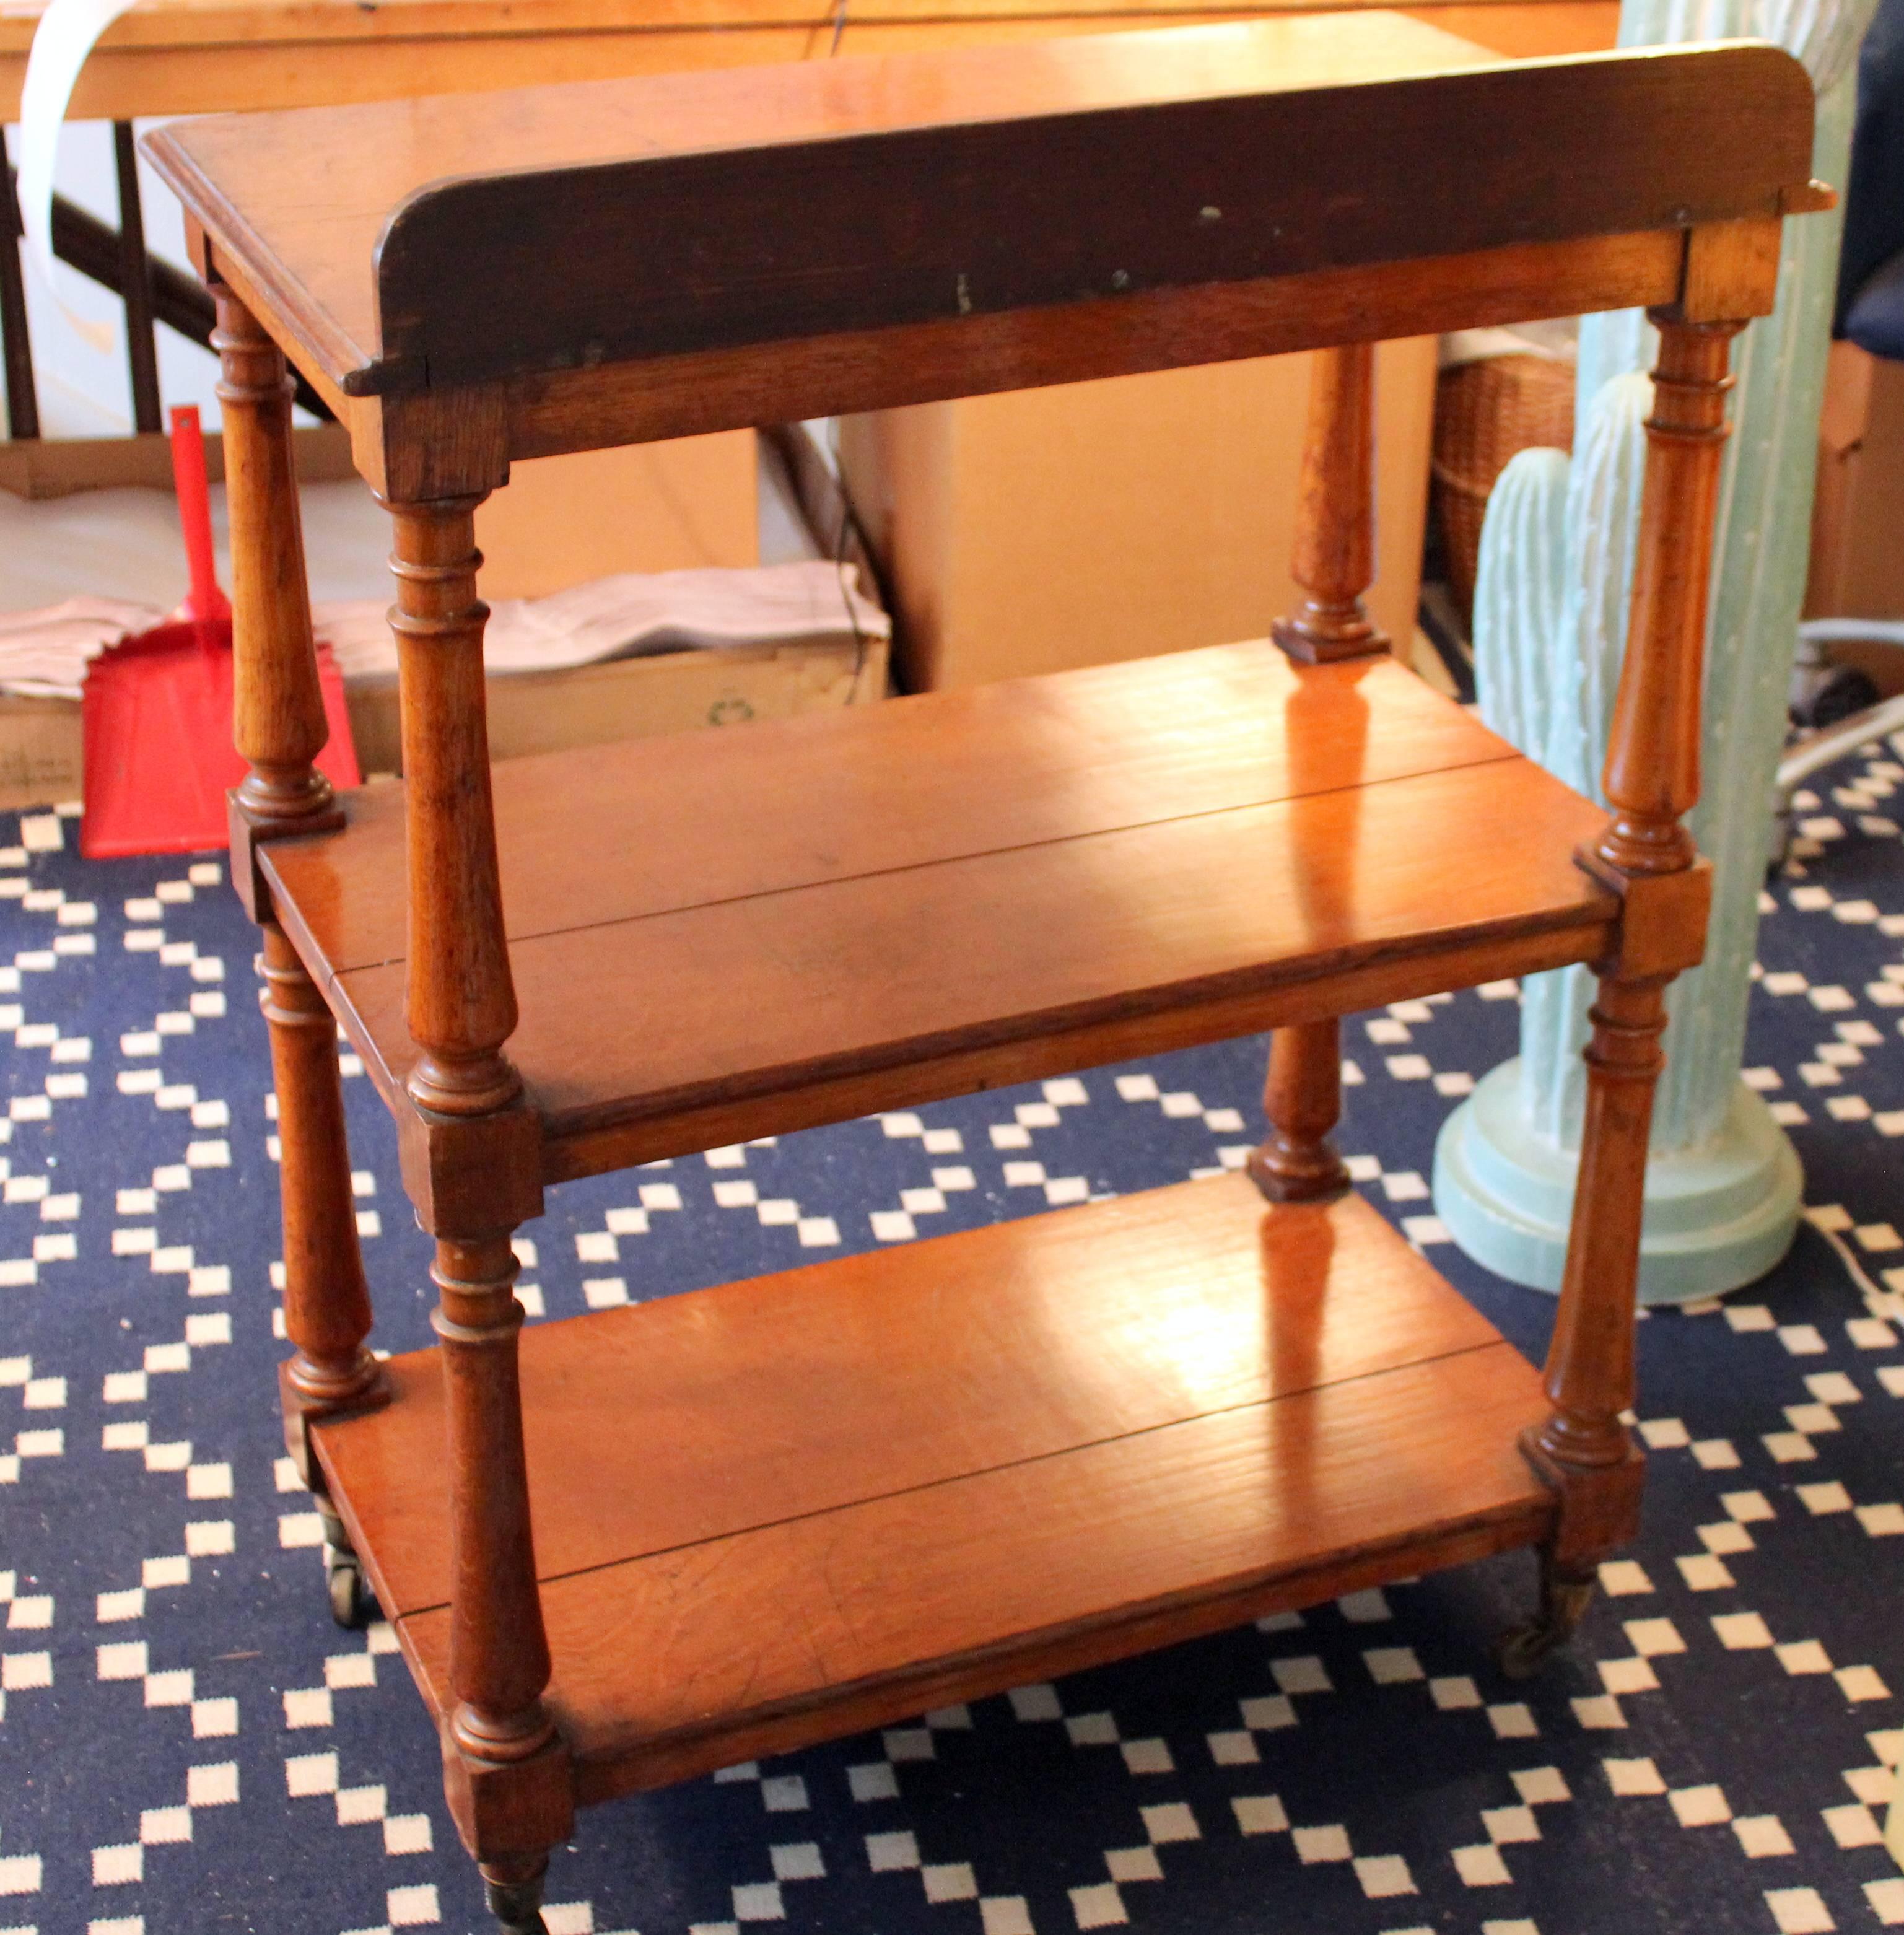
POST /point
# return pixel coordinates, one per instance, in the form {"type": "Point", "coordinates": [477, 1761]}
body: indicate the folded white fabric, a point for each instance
{"type": "Point", "coordinates": [634, 615]}
{"type": "Point", "coordinates": [44, 653]}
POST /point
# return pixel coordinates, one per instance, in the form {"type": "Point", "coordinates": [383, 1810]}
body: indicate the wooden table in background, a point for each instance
{"type": "Point", "coordinates": [204, 56]}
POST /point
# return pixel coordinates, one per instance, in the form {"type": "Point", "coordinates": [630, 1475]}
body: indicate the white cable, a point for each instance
{"type": "Point", "coordinates": [65, 35]}
{"type": "Point", "coordinates": [1879, 1301]}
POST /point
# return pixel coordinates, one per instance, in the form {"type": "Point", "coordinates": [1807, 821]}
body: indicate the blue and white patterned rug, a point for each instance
{"type": "Point", "coordinates": [187, 1744]}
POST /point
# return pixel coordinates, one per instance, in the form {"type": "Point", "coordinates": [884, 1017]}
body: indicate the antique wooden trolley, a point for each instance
{"type": "Point", "coordinates": [784, 1510]}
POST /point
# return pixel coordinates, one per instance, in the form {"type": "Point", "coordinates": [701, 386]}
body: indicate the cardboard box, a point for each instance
{"type": "Point", "coordinates": [1857, 516]}
{"type": "Point", "coordinates": [1104, 520]}
{"type": "Point", "coordinates": [40, 752]}
{"type": "Point", "coordinates": [635, 699]}
{"type": "Point", "coordinates": [647, 507]}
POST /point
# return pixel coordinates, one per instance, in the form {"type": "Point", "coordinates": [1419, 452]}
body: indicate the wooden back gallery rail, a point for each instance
{"type": "Point", "coordinates": [680, 1534]}
{"type": "Point", "coordinates": [166, 57]}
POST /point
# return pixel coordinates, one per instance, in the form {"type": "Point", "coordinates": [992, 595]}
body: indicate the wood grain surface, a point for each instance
{"type": "Point", "coordinates": [882, 369]}
{"type": "Point", "coordinates": [746, 195]}
{"type": "Point", "coordinates": [689, 819]}
{"type": "Point", "coordinates": [957, 890]}
{"type": "Point", "coordinates": [695, 1417]}
{"type": "Point", "coordinates": [922, 203]}
{"type": "Point", "coordinates": [669, 1666]}
{"type": "Point", "coordinates": [1154, 1403]}
{"type": "Point", "coordinates": [752, 998]}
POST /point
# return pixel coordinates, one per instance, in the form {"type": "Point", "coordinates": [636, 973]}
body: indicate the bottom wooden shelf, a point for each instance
{"type": "Point", "coordinates": [784, 1509]}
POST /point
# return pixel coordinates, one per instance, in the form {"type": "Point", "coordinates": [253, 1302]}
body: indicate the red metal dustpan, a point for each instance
{"type": "Point", "coordinates": [156, 710]}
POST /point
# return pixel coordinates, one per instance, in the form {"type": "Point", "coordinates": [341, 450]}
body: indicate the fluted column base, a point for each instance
{"type": "Point", "coordinates": [1716, 1218]}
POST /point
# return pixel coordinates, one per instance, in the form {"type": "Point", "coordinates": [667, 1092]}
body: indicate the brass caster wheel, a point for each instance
{"type": "Point", "coordinates": [1522, 1650]}
{"type": "Point", "coordinates": [517, 1906]}
{"type": "Point", "coordinates": [351, 1601]}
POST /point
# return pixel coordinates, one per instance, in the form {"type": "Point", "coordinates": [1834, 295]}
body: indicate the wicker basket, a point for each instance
{"type": "Point", "coordinates": [1485, 412]}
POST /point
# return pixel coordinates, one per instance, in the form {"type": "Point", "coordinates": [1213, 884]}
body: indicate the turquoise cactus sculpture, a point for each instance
{"type": "Point", "coordinates": [1724, 1183]}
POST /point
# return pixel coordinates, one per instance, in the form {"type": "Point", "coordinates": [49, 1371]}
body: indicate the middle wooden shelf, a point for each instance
{"type": "Point", "coordinates": [716, 937]}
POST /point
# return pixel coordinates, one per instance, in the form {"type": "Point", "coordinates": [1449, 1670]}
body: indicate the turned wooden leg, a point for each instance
{"type": "Point", "coordinates": [279, 726]}
{"type": "Point", "coordinates": [460, 1002]}
{"type": "Point", "coordinates": [1651, 780]}
{"type": "Point", "coordinates": [1334, 563]}
{"type": "Point", "coordinates": [1583, 1450]}
{"type": "Point", "coordinates": [505, 1767]}
{"type": "Point", "coordinates": [1590, 1372]}
{"type": "Point", "coordinates": [1296, 1162]}
{"type": "Point", "coordinates": [327, 1303]}
{"type": "Point", "coordinates": [1335, 557]}
{"type": "Point", "coordinates": [499, 1658]}
{"type": "Point", "coordinates": [278, 722]}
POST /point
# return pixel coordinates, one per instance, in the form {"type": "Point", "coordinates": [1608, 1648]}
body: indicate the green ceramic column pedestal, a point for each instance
{"type": "Point", "coordinates": [1724, 1183]}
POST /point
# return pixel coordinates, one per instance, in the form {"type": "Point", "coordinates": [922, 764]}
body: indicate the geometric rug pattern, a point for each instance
{"type": "Point", "coordinates": [188, 1745]}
